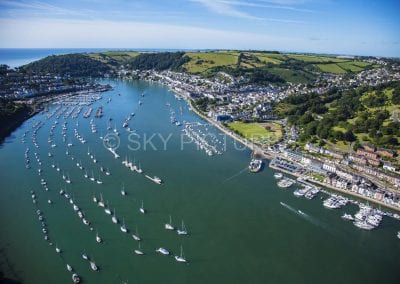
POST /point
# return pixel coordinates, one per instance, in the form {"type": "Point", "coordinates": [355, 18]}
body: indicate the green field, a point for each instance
{"type": "Point", "coordinates": [262, 133]}
{"type": "Point", "coordinates": [118, 56]}
{"type": "Point", "coordinates": [331, 68]}
{"type": "Point", "coordinates": [203, 61]}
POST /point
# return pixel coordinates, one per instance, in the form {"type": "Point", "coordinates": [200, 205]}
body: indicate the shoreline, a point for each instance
{"type": "Point", "coordinates": [338, 189]}
{"type": "Point", "coordinates": [255, 147]}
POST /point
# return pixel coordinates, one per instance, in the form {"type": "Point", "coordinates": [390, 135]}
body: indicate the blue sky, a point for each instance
{"type": "Point", "coordinates": [325, 26]}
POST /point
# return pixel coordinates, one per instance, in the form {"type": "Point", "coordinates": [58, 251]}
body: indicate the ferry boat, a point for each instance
{"type": "Point", "coordinates": [255, 165]}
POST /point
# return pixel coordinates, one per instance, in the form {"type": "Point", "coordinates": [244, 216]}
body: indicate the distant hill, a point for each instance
{"type": "Point", "coordinates": [258, 67]}
{"type": "Point", "coordinates": [76, 65]}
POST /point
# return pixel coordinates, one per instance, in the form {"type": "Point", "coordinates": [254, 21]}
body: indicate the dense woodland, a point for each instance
{"type": "Point", "coordinates": [76, 65]}
{"type": "Point", "coordinates": [11, 114]}
{"type": "Point", "coordinates": [159, 61]}
{"type": "Point", "coordinates": [339, 115]}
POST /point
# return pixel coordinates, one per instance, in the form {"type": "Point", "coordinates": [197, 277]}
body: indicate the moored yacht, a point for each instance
{"type": "Point", "coordinates": [123, 227]}
{"type": "Point", "coordinates": [168, 226]}
{"type": "Point", "coordinates": [138, 250]}
{"type": "Point", "coordinates": [114, 218]}
{"type": "Point", "coordinates": [93, 266]}
{"type": "Point", "coordinates": [182, 230]}
{"type": "Point", "coordinates": [141, 209]}
{"type": "Point", "coordinates": [98, 239]}
{"type": "Point", "coordinates": [181, 257]}
{"type": "Point", "coordinates": [162, 251]}
{"type": "Point", "coordinates": [135, 236]}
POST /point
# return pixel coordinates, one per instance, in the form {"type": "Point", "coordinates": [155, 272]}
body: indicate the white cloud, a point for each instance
{"type": "Point", "coordinates": [225, 8]}
{"type": "Point", "coordinates": [79, 33]}
{"type": "Point", "coordinates": [230, 8]}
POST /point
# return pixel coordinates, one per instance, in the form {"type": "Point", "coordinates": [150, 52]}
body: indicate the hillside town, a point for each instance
{"type": "Point", "coordinates": [369, 172]}
{"type": "Point", "coordinates": [17, 85]}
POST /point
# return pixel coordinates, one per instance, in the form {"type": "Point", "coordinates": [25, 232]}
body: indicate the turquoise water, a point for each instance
{"type": "Point", "coordinates": [239, 232]}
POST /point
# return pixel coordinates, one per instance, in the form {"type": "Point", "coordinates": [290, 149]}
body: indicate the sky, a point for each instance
{"type": "Point", "coordinates": [316, 26]}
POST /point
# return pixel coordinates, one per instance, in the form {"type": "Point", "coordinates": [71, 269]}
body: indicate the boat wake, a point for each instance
{"type": "Point", "coordinates": [307, 217]}
{"type": "Point", "coordinates": [235, 175]}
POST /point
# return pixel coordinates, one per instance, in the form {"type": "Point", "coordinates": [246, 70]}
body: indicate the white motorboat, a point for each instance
{"type": "Point", "coordinates": [162, 251]}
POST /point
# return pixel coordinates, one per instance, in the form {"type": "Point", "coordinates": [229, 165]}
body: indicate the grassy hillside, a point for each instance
{"type": "Point", "coordinates": [296, 68]}
{"type": "Point", "coordinates": [277, 67]}
{"type": "Point", "coordinates": [203, 61]}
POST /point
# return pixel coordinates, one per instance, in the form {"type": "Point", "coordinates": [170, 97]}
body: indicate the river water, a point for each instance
{"type": "Point", "coordinates": [238, 230]}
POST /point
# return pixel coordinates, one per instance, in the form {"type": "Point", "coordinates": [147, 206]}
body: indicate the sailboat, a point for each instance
{"type": "Point", "coordinates": [168, 226]}
{"type": "Point", "coordinates": [107, 172]}
{"type": "Point", "coordinates": [136, 236]}
{"type": "Point", "coordinates": [68, 180]}
{"type": "Point", "coordinates": [99, 180]}
{"type": "Point", "coordinates": [183, 230]}
{"type": "Point", "coordinates": [58, 250]}
{"type": "Point", "coordinates": [98, 239]}
{"type": "Point", "coordinates": [142, 209]}
{"type": "Point", "coordinates": [92, 177]}
{"type": "Point", "coordinates": [180, 258]}
{"type": "Point", "coordinates": [69, 267]}
{"type": "Point", "coordinates": [123, 190]}
{"type": "Point", "coordinates": [114, 218]}
{"type": "Point", "coordinates": [107, 210]}
{"type": "Point", "coordinates": [86, 174]}
{"type": "Point", "coordinates": [94, 198]}
{"type": "Point", "coordinates": [138, 250]}
{"type": "Point", "coordinates": [123, 227]}
{"type": "Point", "coordinates": [84, 256]}
{"type": "Point", "coordinates": [101, 202]}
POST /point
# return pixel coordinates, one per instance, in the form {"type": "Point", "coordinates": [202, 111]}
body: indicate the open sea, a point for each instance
{"type": "Point", "coordinates": [238, 230]}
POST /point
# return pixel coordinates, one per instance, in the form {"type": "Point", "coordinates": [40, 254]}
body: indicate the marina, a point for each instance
{"type": "Point", "coordinates": [91, 231]}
